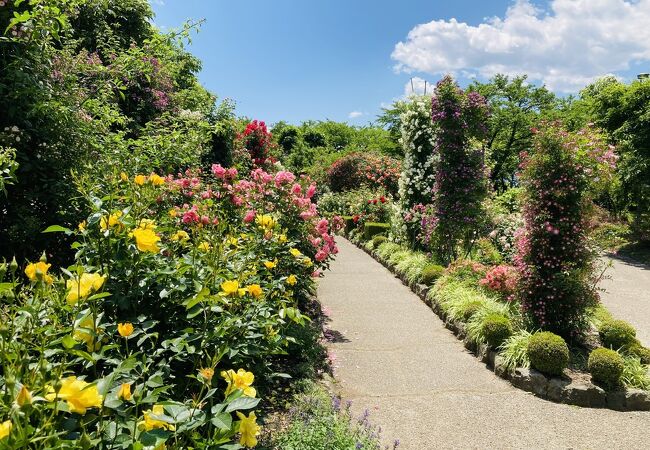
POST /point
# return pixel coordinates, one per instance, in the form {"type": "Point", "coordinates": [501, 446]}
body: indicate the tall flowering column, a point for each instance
{"type": "Point", "coordinates": [460, 184]}
{"type": "Point", "coordinates": [418, 173]}
{"type": "Point", "coordinates": [556, 266]}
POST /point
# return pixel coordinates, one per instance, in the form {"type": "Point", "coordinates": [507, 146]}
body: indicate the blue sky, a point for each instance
{"type": "Point", "coordinates": [297, 60]}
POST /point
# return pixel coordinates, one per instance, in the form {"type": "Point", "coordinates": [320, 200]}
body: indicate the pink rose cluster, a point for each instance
{"type": "Point", "coordinates": [501, 279]}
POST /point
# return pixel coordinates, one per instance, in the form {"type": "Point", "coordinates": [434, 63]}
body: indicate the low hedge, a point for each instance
{"type": "Point", "coordinates": [616, 334]}
{"type": "Point", "coordinates": [373, 228]}
{"type": "Point", "coordinates": [548, 353]}
{"type": "Point", "coordinates": [349, 223]}
{"type": "Point", "coordinates": [606, 367]}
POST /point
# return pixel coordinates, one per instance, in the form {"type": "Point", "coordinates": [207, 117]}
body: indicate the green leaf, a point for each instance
{"type": "Point", "coordinates": [68, 342]}
{"type": "Point", "coordinates": [57, 229]}
{"type": "Point", "coordinates": [222, 421]}
{"type": "Point", "coordinates": [242, 403]}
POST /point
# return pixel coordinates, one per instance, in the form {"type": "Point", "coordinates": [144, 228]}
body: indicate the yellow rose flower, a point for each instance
{"type": "Point", "coordinates": [180, 236]}
{"type": "Point", "coordinates": [156, 180]}
{"type": "Point", "coordinates": [140, 179]}
{"type": "Point", "coordinates": [113, 220]}
{"type": "Point", "coordinates": [230, 287]}
{"type": "Point", "coordinates": [82, 226]}
{"type": "Point", "coordinates": [172, 212]}
{"type": "Point", "coordinates": [146, 240]}
{"type": "Point", "coordinates": [125, 392]}
{"type": "Point", "coordinates": [125, 329]}
{"type": "Point", "coordinates": [207, 373]}
{"type": "Point", "coordinates": [204, 246]}
{"type": "Point", "coordinates": [78, 394]}
{"type": "Point", "coordinates": [80, 289]}
{"type": "Point", "coordinates": [38, 271]}
{"type": "Point", "coordinates": [270, 264]}
{"type": "Point", "coordinates": [232, 241]}
{"type": "Point", "coordinates": [255, 290]}
{"type": "Point", "coordinates": [88, 333]}
{"type": "Point", "coordinates": [5, 428]}
{"type": "Point", "coordinates": [24, 397]}
{"type": "Point", "coordinates": [248, 428]}
{"type": "Point", "coordinates": [147, 224]}
{"type": "Point", "coordinates": [265, 221]}
{"type": "Point", "coordinates": [124, 176]}
{"type": "Point", "coordinates": [149, 423]}
{"type": "Point", "coordinates": [292, 280]}
{"type": "Point", "coordinates": [239, 380]}
{"type": "Point", "coordinates": [283, 238]}
{"type": "Point", "coordinates": [295, 252]}
{"type": "Point", "coordinates": [307, 262]}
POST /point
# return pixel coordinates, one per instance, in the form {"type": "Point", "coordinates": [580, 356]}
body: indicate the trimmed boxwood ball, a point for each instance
{"type": "Point", "coordinates": [373, 228]}
{"type": "Point", "coordinates": [548, 353]}
{"type": "Point", "coordinates": [496, 329]}
{"type": "Point", "coordinates": [431, 273]}
{"type": "Point", "coordinates": [378, 240]}
{"type": "Point", "coordinates": [606, 367]}
{"type": "Point", "coordinates": [615, 334]}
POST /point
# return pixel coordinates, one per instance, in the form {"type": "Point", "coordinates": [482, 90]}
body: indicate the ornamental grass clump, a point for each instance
{"type": "Point", "coordinates": [556, 266]}
{"type": "Point", "coordinates": [460, 121]}
{"type": "Point", "coordinates": [606, 367]}
{"type": "Point", "coordinates": [548, 353]}
{"type": "Point", "coordinates": [431, 273]}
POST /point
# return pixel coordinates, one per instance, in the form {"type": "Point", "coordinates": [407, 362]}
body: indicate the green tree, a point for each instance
{"type": "Point", "coordinates": [516, 107]}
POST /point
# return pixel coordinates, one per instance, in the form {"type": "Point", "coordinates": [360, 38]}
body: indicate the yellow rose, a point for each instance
{"type": "Point", "coordinates": [124, 176]}
{"type": "Point", "coordinates": [265, 221]}
{"type": "Point", "coordinates": [204, 246]}
{"type": "Point", "coordinates": [125, 392]}
{"type": "Point", "coordinates": [307, 262]}
{"type": "Point", "coordinates": [239, 380]}
{"type": "Point", "coordinates": [295, 252]}
{"type": "Point", "coordinates": [77, 393]}
{"type": "Point", "coordinates": [255, 290]}
{"type": "Point", "coordinates": [149, 423]}
{"type": "Point", "coordinates": [113, 220]}
{"type": "Point", "coordinates": [24, 397]}
{"type": "Point", "coordinates": [146, 240]}
{"type": "Point", "coordinates": [180, 236]}
{"type": "Point", "coordinates": [140, 179]}
{"type": "Point", "coordinates": [82, 226]}
{"type": "Point", "coordinates": [248, 428]}
{"type": "Point", "coordinates": [125, 329]}
{"type": "Point", "coordinates": [292, 280]}
{"type": "Point", "coordinates": [172, 213]}
{"type": "Point", "coordinates": [80, 289]}
{"type": "Point", "coordinates": [270, 264]}
{"type": "Point", "coordinates": [5, 428]}
{"type": "Point", "coordinates": [38, 271]}
{"type": "Point", "coordinates": [283, 238]}
{"type": "Point", "coordinates": [156, 180]}
{"type": "Point", "coordinates": [230, 287]}
{"type": "Point", "coordinates": [88, 333]}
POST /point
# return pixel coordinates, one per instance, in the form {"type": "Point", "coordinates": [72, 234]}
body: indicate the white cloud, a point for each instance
{"type": "Point", "coordinates": [566, 47]}
{"type": "Point", "coordinates": [355, 114]}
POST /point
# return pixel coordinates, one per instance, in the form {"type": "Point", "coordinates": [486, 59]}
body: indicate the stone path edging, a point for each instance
{"type": "Point", "coordinates": [555, 389]}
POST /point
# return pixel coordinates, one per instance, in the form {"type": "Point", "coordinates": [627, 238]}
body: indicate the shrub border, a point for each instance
{"type": "Point", "coordinates": [555, 389]}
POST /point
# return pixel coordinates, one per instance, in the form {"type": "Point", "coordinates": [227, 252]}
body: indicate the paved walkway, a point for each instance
{"type": "Point", "coordinates": [395, 358]}
{"type": "Point", "coordinates": [627, 295]}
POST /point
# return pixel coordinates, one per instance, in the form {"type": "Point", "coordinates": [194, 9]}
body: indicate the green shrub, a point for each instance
{"type": "Point", "coordinates": [616, 334]}
{"type": "Point", "coordinates": [639, 351]}
{"type": "Point", "coordinates": [349, 223]}
{"type": "Point", "coordinates": [378, 240]}
{"type": "Point", "coordinates": [373, 228]}
{"type": "Point", "coordinates": [548, 353]}
{"type": "Point", "coordinates": [387, 249]}
{"type": "Point", "coordinates": [496, 329]}
{"type": "Point", "coordinates": [488, 253]}
{"type": "Point", "coordinates": [431, 273]}
{"type": "Point", "coordinates": [606, 367]}
{"type": "Point", "coordinates": [467, 310]}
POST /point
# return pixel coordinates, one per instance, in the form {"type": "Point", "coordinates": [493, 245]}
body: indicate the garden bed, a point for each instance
{"type": "Point", "coordinates": [574, 387]}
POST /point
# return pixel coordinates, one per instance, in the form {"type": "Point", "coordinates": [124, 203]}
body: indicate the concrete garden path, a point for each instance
{"type": "Point", "coordinates": [627, 295]}
{"type": "Point", "coordinates": [394, 357]}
